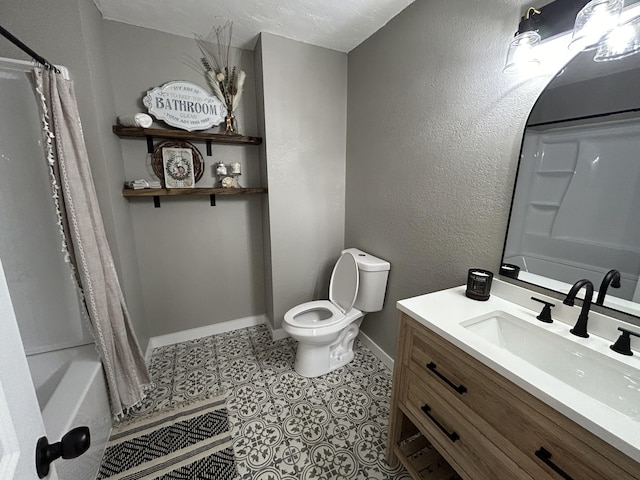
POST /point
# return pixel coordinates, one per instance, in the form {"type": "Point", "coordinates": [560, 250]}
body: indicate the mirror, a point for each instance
{"type": "Point", "coordinates": [576, 204]}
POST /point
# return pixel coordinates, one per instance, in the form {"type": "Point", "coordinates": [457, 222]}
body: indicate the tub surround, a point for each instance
{"type": "Point", "coordinates": [72, 391]}
{"type": "Point", "coordinates": [439, 320]}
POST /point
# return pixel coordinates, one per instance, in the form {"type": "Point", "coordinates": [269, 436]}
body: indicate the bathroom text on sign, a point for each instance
{"type": "Point", "coordinates": [185, 105]}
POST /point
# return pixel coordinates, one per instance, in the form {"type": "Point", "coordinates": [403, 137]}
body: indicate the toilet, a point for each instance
{"type": "Point", "coordinates": [325, 329]}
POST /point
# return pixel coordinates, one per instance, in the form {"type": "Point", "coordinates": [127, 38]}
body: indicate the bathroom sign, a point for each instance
{"type": "Point", "coordinates": [185, 105]}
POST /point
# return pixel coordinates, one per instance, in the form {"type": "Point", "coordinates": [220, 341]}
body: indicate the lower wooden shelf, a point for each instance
{"type": "Point", "coordinates": [156, 193]}
{"type": "Point", "coordinates": [164, 192]}
{"type": "Point", "coordinates": [422, 460]}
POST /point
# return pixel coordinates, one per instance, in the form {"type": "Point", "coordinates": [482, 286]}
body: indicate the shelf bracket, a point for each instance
{"type": "Point", "coordinates": [208, 148]}
{"type": "Point", "coordinates": [149, 144]}
{"type": "Point", "coordinates": [156, 200]}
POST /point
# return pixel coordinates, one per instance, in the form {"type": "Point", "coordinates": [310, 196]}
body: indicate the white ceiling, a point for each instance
{"type": "Point", "coordinates": [336, 24]}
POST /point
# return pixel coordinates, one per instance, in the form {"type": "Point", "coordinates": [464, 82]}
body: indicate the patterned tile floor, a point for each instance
{"type": "Point", "coordinates": [285, 426]}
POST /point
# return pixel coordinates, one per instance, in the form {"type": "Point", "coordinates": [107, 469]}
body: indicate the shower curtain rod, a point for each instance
{"type": "Point", "coordinates": [39, 59]}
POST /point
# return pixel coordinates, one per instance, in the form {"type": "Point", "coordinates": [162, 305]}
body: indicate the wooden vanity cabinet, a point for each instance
{"type": "Point", "coordinates": [482, 424]}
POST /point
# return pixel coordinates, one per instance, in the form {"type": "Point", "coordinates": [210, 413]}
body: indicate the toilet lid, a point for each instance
{"type": "Point", "coordinates": [345, 280]}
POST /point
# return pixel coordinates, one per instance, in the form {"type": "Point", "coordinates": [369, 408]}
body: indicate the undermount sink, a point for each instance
{"type": "Point", "coordinates": [613, 383]}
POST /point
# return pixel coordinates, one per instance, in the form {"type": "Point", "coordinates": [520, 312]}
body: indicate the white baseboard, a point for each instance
{"type": "Point", "coordinates": [195, 333]}
{"type": "Point", "coordinates": [276, 334]}
{"type": "Point", "coordinates": [376, 350]}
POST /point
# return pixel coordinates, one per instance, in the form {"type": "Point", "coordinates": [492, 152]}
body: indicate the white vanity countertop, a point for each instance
{"type": "Point", "coordinates": [443, 312]}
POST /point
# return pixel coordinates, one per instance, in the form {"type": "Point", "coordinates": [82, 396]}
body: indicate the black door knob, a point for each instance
{"type": "Point", "coordinates": [73, 444]}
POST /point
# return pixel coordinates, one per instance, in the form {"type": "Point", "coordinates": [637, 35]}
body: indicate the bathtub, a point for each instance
{"type": "Point", "coordinates": [71, 391]}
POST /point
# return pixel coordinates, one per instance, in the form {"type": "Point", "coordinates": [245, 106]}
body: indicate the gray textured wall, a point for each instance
{"type": "Point", "coordinates": [434, 130]}
{"type": "Point", "coordinates": [304, 90]}
{"type": "Point", "coordinates": [266, 228]}
{"type": "Point", "coordinates": [199, 264]}
{"type": "Point", "coordinates": [70, 33]}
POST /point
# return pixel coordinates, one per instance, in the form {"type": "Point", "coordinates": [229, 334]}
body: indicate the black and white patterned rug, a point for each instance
{"type": "Point", "coordinates": [192, 442]}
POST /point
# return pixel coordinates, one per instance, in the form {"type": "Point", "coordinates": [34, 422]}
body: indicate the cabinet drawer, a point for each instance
{"type": "Point", "coordinates": [509, 416]}
{"type": "Point", "coordinates": [455, 437]}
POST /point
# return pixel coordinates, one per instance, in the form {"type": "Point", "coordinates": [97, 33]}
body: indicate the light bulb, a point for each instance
{"type": "Point", "coordinates": [592, 22]}
{"type": "Point", "coordinates": [522, 54]}
{"type": "Point", "coordinates": [620, 42]}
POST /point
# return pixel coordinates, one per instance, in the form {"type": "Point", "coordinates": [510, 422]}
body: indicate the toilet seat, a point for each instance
{"type": "Point", "coordinates": [318, 314]}
{"type": "Point", "coordinates": [343, 290]}
{"type": "Point", "coordinates": [345, 281]}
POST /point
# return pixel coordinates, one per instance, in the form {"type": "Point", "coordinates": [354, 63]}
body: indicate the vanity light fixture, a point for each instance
{"type": "Point", "coordinates": [521, 54]}
{"type": "Point", "coordinates": [595, 24]}
{"type": "Point", "coordinates": [536, 25]}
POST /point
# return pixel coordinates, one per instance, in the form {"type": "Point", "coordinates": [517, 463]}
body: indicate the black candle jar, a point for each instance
{"type": "Point", "coordinates": [479, 284]}
{"type": "Point", "coordinates": [509, 270]}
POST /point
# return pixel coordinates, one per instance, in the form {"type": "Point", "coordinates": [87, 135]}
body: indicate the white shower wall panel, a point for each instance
{"type": "Point", "coordinates": [576, 211]}
{"type": "Point", "coordinates": [601, 203]}
{"type": "Point", "coordinates": [40, 281]}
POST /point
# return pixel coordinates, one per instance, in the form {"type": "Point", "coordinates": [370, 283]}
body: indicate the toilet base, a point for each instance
{"type": "Point", "coordinates": [315, 360]}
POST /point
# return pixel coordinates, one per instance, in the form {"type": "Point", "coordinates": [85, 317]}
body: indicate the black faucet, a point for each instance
{"type": "Point", "coordinates": [612, 277]}
{"type": "Point", "coordinates": [580, 329]}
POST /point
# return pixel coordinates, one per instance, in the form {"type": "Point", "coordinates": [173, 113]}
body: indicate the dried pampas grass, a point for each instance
{"type": "Point", "coordinates": [224, 78]}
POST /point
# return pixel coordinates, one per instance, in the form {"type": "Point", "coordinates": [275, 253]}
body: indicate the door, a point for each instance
{"type": "Point", "coordinates": [20, 420]}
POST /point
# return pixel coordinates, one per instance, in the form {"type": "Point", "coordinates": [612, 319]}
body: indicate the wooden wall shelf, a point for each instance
{"type": "Point", "coordinates": [156, 193]}
{"type": "Point", "coordinates": [209, 138]}
{"type": "Point", "coordinates": [137, 132]}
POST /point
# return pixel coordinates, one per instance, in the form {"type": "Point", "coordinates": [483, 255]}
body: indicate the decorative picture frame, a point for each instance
{"type": "Point", "coordinates": [178, 167]}
{"type": "Point", "coordinates": [157, 162]}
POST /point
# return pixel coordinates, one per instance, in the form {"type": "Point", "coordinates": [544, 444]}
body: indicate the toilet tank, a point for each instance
{"type": "Point", "coordinates": [373, 273]}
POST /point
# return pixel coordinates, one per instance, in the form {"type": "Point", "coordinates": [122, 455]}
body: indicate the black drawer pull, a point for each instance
{"type": "Point", "coordinates": [544, 455]}
{"type": "Point", "coordinates": [453, 436]}
{"type": "Point", "coordinates": [460, 389]}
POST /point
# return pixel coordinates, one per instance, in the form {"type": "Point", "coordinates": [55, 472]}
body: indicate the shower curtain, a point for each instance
{"type": "Point", "coordinates": [85, 243]}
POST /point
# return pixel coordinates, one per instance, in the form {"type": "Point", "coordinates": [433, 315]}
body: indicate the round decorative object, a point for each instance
{"type": "Point", "coordinates": [229, 182]}
{"type": "Point", "coordinates": [157, 164]}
